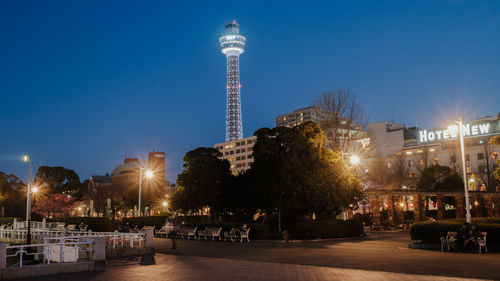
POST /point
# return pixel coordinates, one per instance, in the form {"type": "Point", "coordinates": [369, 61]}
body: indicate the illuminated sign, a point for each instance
{"type": "Point", "coordinates": [452, 132]}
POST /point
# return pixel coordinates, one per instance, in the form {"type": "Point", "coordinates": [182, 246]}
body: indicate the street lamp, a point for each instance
{"type": "Point", "coordinates": [354, 160]}
{"type": "Point", "coordinates": [27, 159]}
{"type": "Point", "coordinates": [453, 131]}
{"type": "Point", "coordinates": [149, 175]}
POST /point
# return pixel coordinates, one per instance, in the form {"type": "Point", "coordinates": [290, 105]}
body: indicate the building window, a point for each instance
{"type": "Point", "coordinates": [249, 156]}
{"type": "Point", "coordinates": [389, 165]}
{"type": "Point", "coordinates": [238, 158]}
{"type": "Point", "coordinates": [238, 151]}
{"type": "Point", "coordinates": [243, 157]}
{"type": "Point", "coordinates": [467, 157]}
{"type": "Point", "coordinates": [232, 152]}
{"type": "Point", "coordinates": [249, 141]}
{"type": "Point", "coordinates": [226, 153]}
{"type": "Point", "coordinates": [482, 168]}
{"type": "Point", "coordinates": [467, 169]}
{"type": "Point", "coordinates": [422, 163]}
{"type": "Point", "coordinates": [436, 161]}
{"type": "Point", "coordinates": [480, 156]}
{"type": "Point", "coordinates": [410, 163]}
{"type": "Point", "coordinates": [243, 150]}
{"type": "Point", "coordinates": [494, 155]}
{"type": "Point", "coordinates": [249, 149]}
{"type": "Point", "coordinates": [411, 175]}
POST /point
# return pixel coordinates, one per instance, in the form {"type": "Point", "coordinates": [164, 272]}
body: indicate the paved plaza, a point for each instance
{"type": "Point", "coordinates": [382, 256]}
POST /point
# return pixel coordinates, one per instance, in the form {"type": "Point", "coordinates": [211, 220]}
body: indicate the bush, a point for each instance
{"type": "Point", "coordinates": [6, 220]}
{"type": "Point", "coordinates": [430, 232]}
{"type": "Point", "coordinates": [327, 229]}
{"type": "Point", "coordinates": [157, 221]}
{"type": "Point", "coordinates": [96, 224]}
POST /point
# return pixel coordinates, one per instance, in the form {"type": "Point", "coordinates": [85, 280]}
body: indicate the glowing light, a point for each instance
{"type": "Point", "coordinates": [165, 203]}
{"type": "Point", "coordinates": [354, 160]}
{"type": "Point", "coordinates": [149, 174]}
{"type": "Point", "coordinates": [476, 203]}
{"type": "Point", "coordinates": [34, 189]}
{"type": "Point", "coordinates": [79, 208]}
{"type": "Point", "coordinates": [402, 204]}
{"type": "Point", "coordinates": [26, 158]}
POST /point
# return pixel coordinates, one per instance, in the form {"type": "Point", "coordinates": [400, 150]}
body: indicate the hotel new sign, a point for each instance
{"type": "Point", "coordinates": [452, 132]}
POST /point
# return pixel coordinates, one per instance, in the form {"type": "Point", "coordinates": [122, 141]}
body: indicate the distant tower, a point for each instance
{"type": "Point", "coordinates": [232, 44]}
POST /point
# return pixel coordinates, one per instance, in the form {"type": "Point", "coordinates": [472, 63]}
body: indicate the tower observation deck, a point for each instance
{"type": "Point", "coordinates": [232, 44]}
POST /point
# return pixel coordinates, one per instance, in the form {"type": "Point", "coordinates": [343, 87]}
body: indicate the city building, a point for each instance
{"type": "Point", "coordinates": [238, 153]}
{"type": "Point", "coordinates": [415, 149]}
{"type": "Point", "coordinates": [298, 117]}
{"type": "Point", "coordinates": [127, 174]}
{"type": "Point", "coordinates": [232, 44]}
{"type": "Point", "coordinates": [98, 183]}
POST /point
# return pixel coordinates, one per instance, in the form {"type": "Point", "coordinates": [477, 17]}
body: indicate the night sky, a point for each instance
{"type": "Point", "coordinates": [82, 83]}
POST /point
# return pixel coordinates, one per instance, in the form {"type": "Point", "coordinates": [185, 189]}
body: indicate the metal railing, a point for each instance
{"type": "Point", "coordinates": [113, 239]}
{"type": "Point", "coordinates": [67, 251]}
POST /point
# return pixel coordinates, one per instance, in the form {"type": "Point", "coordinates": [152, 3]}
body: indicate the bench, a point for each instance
{"type": "Point", "coordinates": [449, 240]}
{"type": "Point", "coordinates": [237, 233]}
{"type": "Point", "coordinates": [71, 227]}
{"type": "Point", "coordinates": [207, 232]}
{"type": "Point", "coordinates": [165, 230]}
{"type": "Point", "coordinates": [188, 231]}
{"type": "Point", "coordinates": [482, 242]}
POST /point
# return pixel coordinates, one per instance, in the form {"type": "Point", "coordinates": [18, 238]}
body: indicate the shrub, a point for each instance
{"type": "Point", "coordinates": [157, 221]}
{"type": "Point", "coordinates": [327, 229]}
{"type": "Point", "coordinates": [6, 220]}
{"type": "Point", "coordinates": [95, 224]}
{"type": "Point", "coordinates": [430, 232]}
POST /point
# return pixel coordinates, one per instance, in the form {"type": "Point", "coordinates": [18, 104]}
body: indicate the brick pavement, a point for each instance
{"type": "Point", "coordinates": [177, 267]}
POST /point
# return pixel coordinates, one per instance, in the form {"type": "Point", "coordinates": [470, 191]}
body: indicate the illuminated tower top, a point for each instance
{"type": "Point", "coordinates": [232, 42]}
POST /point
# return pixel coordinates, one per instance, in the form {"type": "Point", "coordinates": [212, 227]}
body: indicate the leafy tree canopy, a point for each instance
{"type": "Point", "coordinates": [58, 180]}
{"type": "Point", "coordinates": [438, 177]}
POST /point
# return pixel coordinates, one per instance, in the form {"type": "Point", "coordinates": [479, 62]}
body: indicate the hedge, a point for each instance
{"type": "Point", "coordinates": [431, 231]}
{"type": "Point", "coordinates": [6, 220]}
{"type": "Point", "coordinates": [157, 221]}
{"type": "Point", "coordinates": [326, 229]}
{"type": "Point", "coordinates": [96, 224]}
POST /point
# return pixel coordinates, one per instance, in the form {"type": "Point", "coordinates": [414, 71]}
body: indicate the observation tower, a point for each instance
{"type": "Point", "coordinates": [232, 44]}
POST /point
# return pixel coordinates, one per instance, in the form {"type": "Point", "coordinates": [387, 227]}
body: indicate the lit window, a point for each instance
{"type": "Point", "coordinates": [436, 161]}
{"type": "Point", "coordinates": [422, 162]}
{"type": "Point", "coordinates": [467, 157]}
{"type": "Point", "coordinates": [494, 155]}
{"type": "Point", "coordinates": [389, 165]}
{"type": "Point", "coordinates": [467, 169]}
{"type": "Point", "coordinates": [480, 156]}
{"type": "Point", "coordinates": [410, 163]}
{"type": "Point", "coordinates": [411, 175]}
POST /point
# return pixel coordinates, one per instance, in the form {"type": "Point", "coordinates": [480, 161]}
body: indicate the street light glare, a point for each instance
{"type": "Point", "coordinates": [34, 189]}
{"type": "Point", "coordinates": [149, 174]}
{"type": "Point", "coordinates": [354, 160]}
{"type": "Point", "coordinates": [165, 203]}
{"type": "Point", "coordinates": [26, 158]}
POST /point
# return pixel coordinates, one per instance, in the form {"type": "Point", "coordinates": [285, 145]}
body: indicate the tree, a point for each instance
{"type": "Point", "coordinates": [56, 206]}
{"type": "Point", "coordinates": [58, 180]}
{"type": "Point", "coordinates": [296, 174]}
{"type": "Point", "coordinates": [202, 182]}
{"type": "Point", "coordinates": [341, 117]}
{"type": "Point", "coordinates": [438, 177]}
{"type": "Point", "coordinates": [495, 141]}
{"type": "Point", "coordinates": [12, 195]}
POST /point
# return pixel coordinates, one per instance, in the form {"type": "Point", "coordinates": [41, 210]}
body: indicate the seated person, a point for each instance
{"type": "Point", "coordinates": [462, 236]}
{"type": "Point", "coordinates": [472, 243]}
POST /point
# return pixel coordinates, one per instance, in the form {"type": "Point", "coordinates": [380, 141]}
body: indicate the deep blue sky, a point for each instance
{"type": "Point", "coordinates": [82, 83]}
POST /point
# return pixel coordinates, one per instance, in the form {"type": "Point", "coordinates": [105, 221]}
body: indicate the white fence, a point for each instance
{"type": "Point", "coordinates": [66, 250]}
{"type": "Point", "coordinates": [113, 239]}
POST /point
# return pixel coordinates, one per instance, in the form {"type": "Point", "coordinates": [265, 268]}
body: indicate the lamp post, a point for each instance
{"type": "Point", "coordinates": [149, 174]}
{"type": "Point", "coordinates": [468, 217]}
{"type": "Point", "coordinates": [27, 159]}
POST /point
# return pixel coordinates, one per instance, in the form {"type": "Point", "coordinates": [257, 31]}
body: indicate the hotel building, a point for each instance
{"type": "Point", "coordinates": [238, 153]}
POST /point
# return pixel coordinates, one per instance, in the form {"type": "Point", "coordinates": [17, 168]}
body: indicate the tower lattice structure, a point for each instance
{"type": "Point", "coordinates": [232, 44]}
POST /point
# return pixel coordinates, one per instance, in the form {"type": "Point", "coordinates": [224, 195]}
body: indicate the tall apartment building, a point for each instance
{"type": "Point", "coordinates": [298, 117]}
{"type": "Point", "coordinates": [238, 153]}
